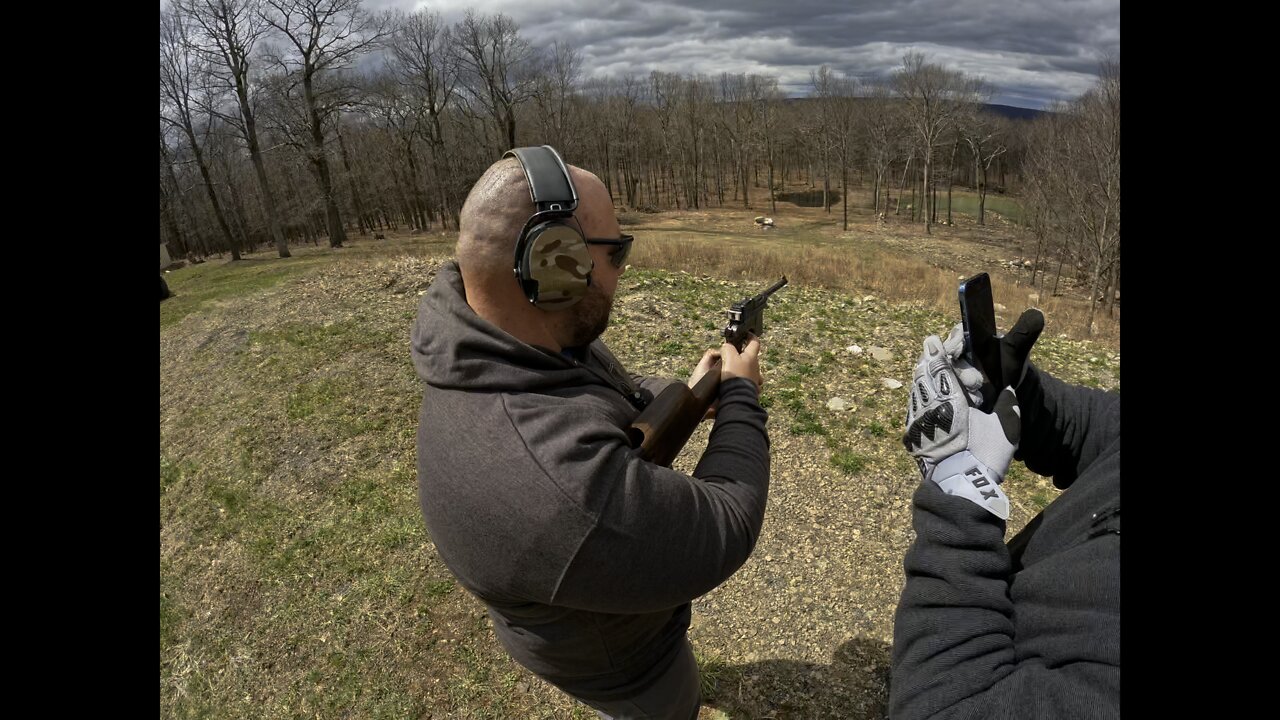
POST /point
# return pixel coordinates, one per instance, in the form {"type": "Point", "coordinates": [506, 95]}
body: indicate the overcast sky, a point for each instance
{"type": "Point", "coordinates": [1033, 51]}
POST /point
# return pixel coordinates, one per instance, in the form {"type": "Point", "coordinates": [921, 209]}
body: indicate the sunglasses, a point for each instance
{"type": "Point", "coordinates": [623, 245]}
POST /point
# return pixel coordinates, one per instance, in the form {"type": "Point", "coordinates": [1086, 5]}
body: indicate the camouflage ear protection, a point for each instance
{"type": "Point", "coordinates": [552, 262]}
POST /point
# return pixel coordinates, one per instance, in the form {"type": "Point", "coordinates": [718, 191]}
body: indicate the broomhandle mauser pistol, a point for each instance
{"type": "Point", "coordinates": [661, 430]}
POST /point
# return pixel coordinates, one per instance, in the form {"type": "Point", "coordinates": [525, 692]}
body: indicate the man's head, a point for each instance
{"type": "Point", "coordinates": [492, 218]}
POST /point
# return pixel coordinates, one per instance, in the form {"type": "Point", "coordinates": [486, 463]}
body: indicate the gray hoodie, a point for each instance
{"type": "Point", "coordinates": [586, 556]}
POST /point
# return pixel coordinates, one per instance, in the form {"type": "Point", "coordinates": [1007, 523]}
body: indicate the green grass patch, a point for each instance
{"type": "Point", "coordinates": [848, 462]}
{"type": "Point", "coordinates": [967, 203]}
{"type": "Point", "coordinates": [714, 673]}
{"type": "Point", "coordinates": [195, 287]}
{"type": "Point", "coordinates": [1040, 499]}
{"type": "Point", "coordinates": [806, 422]}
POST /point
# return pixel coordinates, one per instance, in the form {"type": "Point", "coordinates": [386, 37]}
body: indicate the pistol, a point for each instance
{"type": "Point", "coordinates": [661, 430]}
{"type": "Point", "coordinates": [746, 317]}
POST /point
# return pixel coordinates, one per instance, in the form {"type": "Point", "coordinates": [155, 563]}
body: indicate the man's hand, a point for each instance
{"type": "Point", "coordinates": [745, 364]}
{"type": "Point", "coordinates": [705, 365]}
{"type": "Point", "coordinates": [708, 361]}
{"type": "Point", "coordinates": [964, 450]}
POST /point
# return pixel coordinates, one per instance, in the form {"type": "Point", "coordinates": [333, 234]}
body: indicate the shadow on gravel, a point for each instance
{"type": "Point", "coordinates": [854, 685]}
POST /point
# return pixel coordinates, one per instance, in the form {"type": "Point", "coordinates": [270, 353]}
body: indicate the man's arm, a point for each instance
{"type": "Point", "coordinates": [953, 646]}
{"type": "Point", "coordinates": [1064, 427]}
{"type": "Point", "coordinates": [662, 537]}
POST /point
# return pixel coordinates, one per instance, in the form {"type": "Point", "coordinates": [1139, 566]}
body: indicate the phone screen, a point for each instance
{"type": "Point", "coordinates": [981, 345]}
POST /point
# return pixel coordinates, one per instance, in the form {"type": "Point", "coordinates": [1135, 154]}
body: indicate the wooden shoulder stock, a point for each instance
{"type": "Point", "coordinates": [661, 430]}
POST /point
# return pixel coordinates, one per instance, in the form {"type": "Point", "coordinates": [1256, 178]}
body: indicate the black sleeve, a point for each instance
{"type": "Point", "coordinates": [953, 641]}
{"type": "Point", "coordinates": [1064, 427]}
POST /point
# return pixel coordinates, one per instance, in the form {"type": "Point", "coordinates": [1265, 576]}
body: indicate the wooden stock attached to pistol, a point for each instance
{"type": "Point", "coordinates": [661, 430]}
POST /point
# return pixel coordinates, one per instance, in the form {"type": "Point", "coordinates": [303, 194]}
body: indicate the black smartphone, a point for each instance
{"type": "Point", "coordinates": [981, 344]}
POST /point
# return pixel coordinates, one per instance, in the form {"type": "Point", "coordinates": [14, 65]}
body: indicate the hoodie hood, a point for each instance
{"type": "Point", "coordinates": [454, 348]}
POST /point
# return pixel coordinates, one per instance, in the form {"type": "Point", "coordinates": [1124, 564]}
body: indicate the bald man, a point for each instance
{"type": "Point", "coordinates": [586, 556]}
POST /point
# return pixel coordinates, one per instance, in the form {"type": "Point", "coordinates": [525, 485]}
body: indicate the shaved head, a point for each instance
{"type": "Point", "coordinates": [495, 212]}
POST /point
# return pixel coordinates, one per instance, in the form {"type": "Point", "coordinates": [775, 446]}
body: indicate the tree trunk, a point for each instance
{"type": "Point", "coordinates": [928, 165]}
{"type": "Point", "coordinates": [268, 199]}
{"type": "Point", "coordinates": [175, 233]}
{"type": "Point", "coordinates": [720, 173]}
{"type": "Point", "coordinates": [1035, 265]}
{"type": "Point", "coordinates": [844, 189]}
{"type": "Point", "coordinates": [1113, 287]}
{"type": "Point", "coordinates": [178, 245]}
{"type": "Point", "coordinates": [951, 172]}
{"type": "Point", "coordinates": [351, 181]}
{"type": "Point", "coordinates": [415, 188]}
{"type": "Point", "coordinates": [826, 182]}
{"type": "Point", "coordinates": [773, 208]}
{"type": "Point", "coordinates": [242, 221]}
{"type": "Point", "coordinates": [337, 235]}
{"type": "Point", "coordinates": [232, 245]}
{"type": "Point", "coordinates": [1095, 287]}
{"type": "Point", "coordinates": [982, 194]}
{"type": "Point", "coordinates": [406, 214]}
{"type": "Point", "coordinates": [902, 190]}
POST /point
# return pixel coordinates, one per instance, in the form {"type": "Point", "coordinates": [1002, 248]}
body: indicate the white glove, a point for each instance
{"type": "Point", "coordinates": [964, 450]}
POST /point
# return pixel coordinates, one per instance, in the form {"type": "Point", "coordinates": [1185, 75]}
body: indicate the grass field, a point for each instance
{"type": "Point", "coordinates": [297, 579]}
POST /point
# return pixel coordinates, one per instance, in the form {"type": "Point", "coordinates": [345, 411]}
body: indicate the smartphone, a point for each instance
{"type": "Point", "coordinates": [981, 344]}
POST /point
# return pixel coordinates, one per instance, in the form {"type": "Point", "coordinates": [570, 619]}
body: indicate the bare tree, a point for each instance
{"type": "Point", "coordinates": [736, 127]}
{"type": "Point", "coordinates": [496, 66]}
{"type": "Point", "coordinates": [1072, 173]}
{"type": "Point", "coordinates": [425, 61]}
{"type": "Point", "coordinates": [934, 96]}
{"type": "Point", "coordinates": [555, 91]}
{"type": "Point", "coordinates": [404, 118]}
{"type": "Point", "coordinates": [183, 78]}
{"type": "Point", "coordinates": [665, 88]}
{"type": "Point", "coordinates": [170, 199]}
{"type": "Point", "coordinates": [764, 97]}
{"type": "Point", "coordinates": [986, 135]}
{"type": "Point", "coordinates": [1093, 185]}
{"type": "Point", "coordinates": [229, 30]}
{"type": "Point", "coordinates": [823, 81]}
{"type": "Point", "coordinates": [1042, 171]}
{"type": "Point", "coordinates": [839, 123]}
{"type": "Point", "coordinates": [884, 139]}
{"type": "Point", "coordinates": [322, 38]}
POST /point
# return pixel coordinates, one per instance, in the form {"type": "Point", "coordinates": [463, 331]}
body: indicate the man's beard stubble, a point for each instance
{"type": "Point", "coordinates": [591, 316]}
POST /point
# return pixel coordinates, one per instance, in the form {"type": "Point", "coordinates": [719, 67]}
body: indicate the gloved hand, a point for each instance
{"type": "Point", "coordinates": [1015, 348]}
{"type": "Point", "coordinates": [956, 445]}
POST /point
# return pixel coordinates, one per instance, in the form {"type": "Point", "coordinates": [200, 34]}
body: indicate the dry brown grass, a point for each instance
{"type": "Point", "coordinates": [860, 267]}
